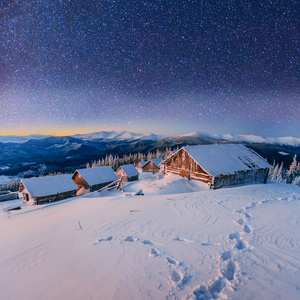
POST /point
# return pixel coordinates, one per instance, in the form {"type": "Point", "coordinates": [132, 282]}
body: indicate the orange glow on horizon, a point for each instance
{"type": "Point", "coordinates": [53, 132]}
{"type": "Point", "coordinates": [62, 131]}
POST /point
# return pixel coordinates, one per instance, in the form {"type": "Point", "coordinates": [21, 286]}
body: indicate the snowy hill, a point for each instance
{"type": "Point", "coordinates": [179, 241]}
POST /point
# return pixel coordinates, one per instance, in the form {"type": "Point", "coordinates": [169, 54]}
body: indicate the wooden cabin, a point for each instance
{"type": "Point", "coordinates": [128, 172]}
{"type": "Point", "coordinates": [140, 164]}
{"type": "Point", "coordinates": [218, 165]}
{"type": "Point", "coordinates": [48, 188]}
{"type": "Point", "coordinates": [152, 165]}
{"type": "Point", "coordinates": [94, 179]}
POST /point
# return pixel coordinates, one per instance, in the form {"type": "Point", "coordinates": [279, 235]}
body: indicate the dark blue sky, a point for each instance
{"type": "Point", "coordinates": [150, 66]}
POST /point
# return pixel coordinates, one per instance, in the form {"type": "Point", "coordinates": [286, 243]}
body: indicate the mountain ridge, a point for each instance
{"type": "Point", "coordinates": [127, 136]}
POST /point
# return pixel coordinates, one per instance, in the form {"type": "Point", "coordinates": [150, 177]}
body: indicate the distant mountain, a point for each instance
{"type": "Point", "coordinates": [44, 155]}
{"type": "Point", "coordinates": [21, 139]}
{"type": "Point", "coordinates": [117, 135]}
{"type": "Point", "coordinates": [288, 141]}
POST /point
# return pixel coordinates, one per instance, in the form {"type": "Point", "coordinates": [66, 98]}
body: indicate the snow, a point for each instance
{"type": "Point", "coordinates": [130, 170]}
{"type": "Point", "coordinates": [98, 175]}
{"type": "Point", "coordinates": [225, 159]}
{"type": "Point", "coordinates": [283, 153]}
{"type": "Point", "coordinates": [179, 241]}
{"type": "Point", "coordinates": [49, 185]}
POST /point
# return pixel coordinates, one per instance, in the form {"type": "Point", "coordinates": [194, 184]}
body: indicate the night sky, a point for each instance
{"type": "Point", "coordinates": [168, 67]}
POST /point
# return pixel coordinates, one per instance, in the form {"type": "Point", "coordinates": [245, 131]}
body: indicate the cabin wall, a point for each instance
{"type": "Point", "coordinates": [57, 197]}
{"type": "Point", "coordinates": [184, 161]}
{"type": "Point", "coordinates": [8, 196]}
{"type": "Point", "coordinates": [121, 173]}
{"type": "Point", "coordinates": [79, 180]}
{"type": "Point", "coordinates": [133, 178]}
{"type": "Point", "coordinates": [25, 193]}
{"type": "Point", "coordinates": [97, 187]}
{"type": "Point", "coordinates": [184, 165]}
{"type": "Point", "coordinates": [250, 176]}
{"type": "Point", "coordinates": [138, 165]}
{"type": "Point", "coordinates": [151, 167]}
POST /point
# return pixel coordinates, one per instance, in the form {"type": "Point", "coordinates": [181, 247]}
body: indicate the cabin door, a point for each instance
{"type": "Point", "coordinates": [25, 196]}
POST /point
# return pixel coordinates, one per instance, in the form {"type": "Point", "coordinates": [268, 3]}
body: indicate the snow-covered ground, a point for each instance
{"type": "Point", "coordinates": [178, 241]}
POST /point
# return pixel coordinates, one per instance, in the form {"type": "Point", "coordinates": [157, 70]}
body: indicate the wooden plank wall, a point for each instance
{"type": "Point", "coordinates": [184, 165]}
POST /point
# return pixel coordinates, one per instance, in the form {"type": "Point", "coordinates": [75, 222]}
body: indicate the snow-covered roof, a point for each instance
{"type": "Point", "coordinates": [225, 159]}
{"type": "Point", "coordinates": [143, 162]}
{"type": "Point", "coordinates": [130, 170]}
{"type": "Point", "coordinates": [98, 175]}
{"type": "Point", "coordinates": [49, 185]}
{"type": "Point", "coordinates": [157, 161]}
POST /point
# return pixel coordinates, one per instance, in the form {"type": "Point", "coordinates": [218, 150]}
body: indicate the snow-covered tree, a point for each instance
{"type": "Point", "coordinates": [292, 171]}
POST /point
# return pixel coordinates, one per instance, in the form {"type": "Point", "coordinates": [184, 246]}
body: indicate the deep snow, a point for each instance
{"type": "Point", "coordinates": [178, 241]}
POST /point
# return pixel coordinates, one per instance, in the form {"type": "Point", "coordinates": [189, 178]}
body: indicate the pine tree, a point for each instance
{"type": "Point", "coordinates": [292, 171]}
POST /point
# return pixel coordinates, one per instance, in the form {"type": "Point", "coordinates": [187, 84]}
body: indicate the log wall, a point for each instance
{"type": "Point", "coordinates": [79, 180]}
{"type": "Point", "coordinates": [250, 176]}
{"type": "Point", "coordinates": [121, 173]}
{"type": "Point", "coordinates": [57, 197]}
{"type": "Point", "coordinates": [150, 167]}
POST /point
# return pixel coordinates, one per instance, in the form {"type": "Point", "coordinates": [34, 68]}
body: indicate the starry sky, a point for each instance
{"type": "Point", "coordinates": [168, 67]}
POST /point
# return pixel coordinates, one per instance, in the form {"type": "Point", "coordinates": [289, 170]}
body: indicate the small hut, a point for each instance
{"type": "Point", "coordinates": [218, 165]}
{"type": "Point", "coordinates": [152, 165]}
{"type": "Point", "coordinates": [94, 178]}
{"type": "Point", "coordinates": [48, 188]}
{"type": "Point", "coordinates": [140, 164]}
{"type": "Point", "coordinates": [128, 172]}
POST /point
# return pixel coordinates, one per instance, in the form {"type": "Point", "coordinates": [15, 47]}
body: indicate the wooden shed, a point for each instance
{"type": "Point", "coordinates": [218, 165]}
{"type": "Point", "coordinates": [140, 164]}
{"type": "Point", "coordinates": [128, 172]}
{"type": "Point", "coordinates": [48, 188]}
{"type": "Point", "coordinates": [94, 179]}
{"type": "Point", "coordinates": [152, 165]}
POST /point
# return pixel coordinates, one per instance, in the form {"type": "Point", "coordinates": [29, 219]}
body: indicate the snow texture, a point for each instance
{"type": "Point", "coordinates": [49, 185]}
{"type": "Point", "coordinates": [98, 175]}
{"type": "Point", "coordinates": [226, 159]}
{"type": "Point", "coordinates": [130, 170]}
{"type": "Point", "coordinates": [180, 240]}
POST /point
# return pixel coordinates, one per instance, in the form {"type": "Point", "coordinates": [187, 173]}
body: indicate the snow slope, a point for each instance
{"type": "Point", "coordinates": [178, 241]}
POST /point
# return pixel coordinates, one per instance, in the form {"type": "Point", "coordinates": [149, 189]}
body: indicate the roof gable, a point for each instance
{"type": "Point", "coordinates": [98, 175]}
{"type": "Point", "coordinates": [49, 185]}
{"type": "Point", "coordinates": [157, 161]}
{"type": "Point", "coordinates": [130, 170]}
